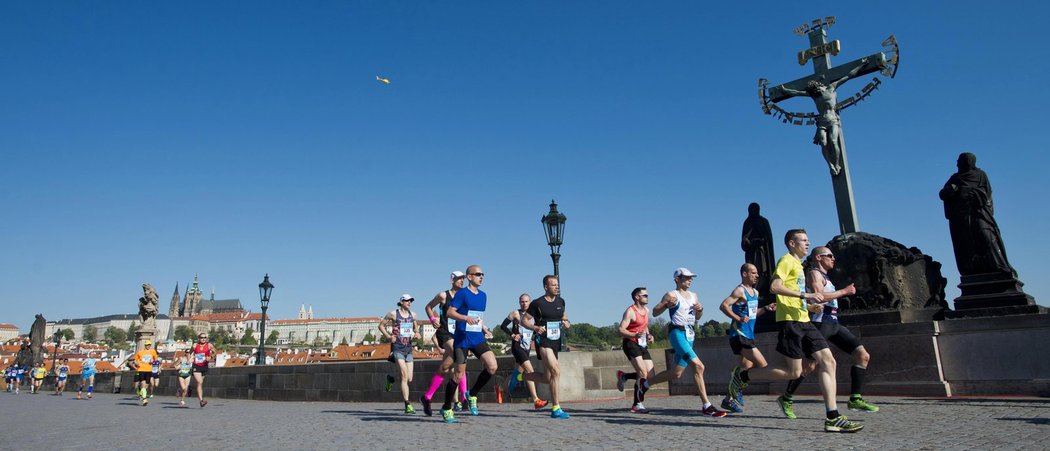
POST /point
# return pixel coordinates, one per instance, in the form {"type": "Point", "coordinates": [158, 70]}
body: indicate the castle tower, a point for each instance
{"type": "Point", "coordinates": [310, 313]}
{"type": "Point", "coordinates": [192, 304]}
{"type": "Point", "coordinates": [174, 311]}
{"type": "Point", "coordinates": [302, 311]}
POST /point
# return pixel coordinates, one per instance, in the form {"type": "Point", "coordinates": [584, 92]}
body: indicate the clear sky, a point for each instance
{"type": "Point", "coordinates": [151, 141]}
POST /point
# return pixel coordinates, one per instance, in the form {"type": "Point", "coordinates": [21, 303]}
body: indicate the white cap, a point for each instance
{"type": "Point", "coordinates": [456, 275]}
{"type": "Point", "coordinates": [405, 297]}
{"type": "Point", "coordinates": [683, 272]}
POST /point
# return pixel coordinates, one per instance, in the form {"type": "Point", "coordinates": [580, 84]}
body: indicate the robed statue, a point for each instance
{"type": "Point", "coordinates": [756, 240]}
{"type": "Point", "coordinates": [968, 207]}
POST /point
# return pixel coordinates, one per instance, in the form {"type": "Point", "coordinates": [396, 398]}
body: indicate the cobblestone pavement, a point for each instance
{"type": "Point", "coordinates": [117, 421]}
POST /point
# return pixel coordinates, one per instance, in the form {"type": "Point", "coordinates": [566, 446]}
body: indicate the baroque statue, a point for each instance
{"type": "Point", "coordinates": [968, 207]}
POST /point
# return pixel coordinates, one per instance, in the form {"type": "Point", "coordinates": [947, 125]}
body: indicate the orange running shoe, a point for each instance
{"type": "Point", "coordinates": [539, 404]}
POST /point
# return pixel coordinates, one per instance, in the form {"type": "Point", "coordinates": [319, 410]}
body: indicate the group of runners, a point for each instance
{"type": "Point", "coordinates": [15, 376]}
{"type": "Point", "coordinates": [806, 310]}
{"type": "Point", "coordinates": [192, 364]}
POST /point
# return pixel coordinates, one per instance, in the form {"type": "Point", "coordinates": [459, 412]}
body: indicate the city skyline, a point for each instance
{"type": "Point", "coordinates": [149, 143]}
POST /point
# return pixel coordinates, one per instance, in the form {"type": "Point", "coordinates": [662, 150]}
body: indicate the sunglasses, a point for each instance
{"type": "Point", "coordinates": [479, 274]}
{"type": "Point", "coordinates": [831, 256]}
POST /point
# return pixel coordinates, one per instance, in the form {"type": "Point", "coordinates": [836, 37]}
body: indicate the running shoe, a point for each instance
{"type": "Point", "coordinates": [78, 395]}
{"type": "Point", "coordinates": [426, 405]}
{"type": "Point", "coordinates": [712, 411]}
{"type": "Point", "coordinates": [787, 406]}
{"type": "Point", "coordinates": [861, 404]}
{"type": "Point", "coordinates": [539, 404]}
{"type": "Point", "coordinates": [472, 404]}
{"type": "Point", "coordinates": [151, 396]}
{"type": "Point", "coordinates": [841, 424]}
{"type": "Point", "coordinates": [458, 407]}
{"type": "Point", "coordinates": [182, 403]}
{"type": "Point", "coordinates": [145, 401]}
{"type": "Point", "coordinates": [639, 408]}
{"type": "Point", "coordinates": [559, 414]}
{"type": "Point", "coordinates": [731, 405]}
{"type": "Point", "coordinates": [89, 395]}
{"type": "Point", "coordinates": [409, 409]}
{"type": "Point", "coordinates": [736, 385]}
{"type": "Point", "coordinates": [203, 403]}
{"type": "Point", "coordinates": [389, 382]}
{"type": "Point", "coordinates": [448, 416]}
{"type": "Point", "coordinates": [740, 398]}
{"type": "Point", "coordinates": [619, 380]}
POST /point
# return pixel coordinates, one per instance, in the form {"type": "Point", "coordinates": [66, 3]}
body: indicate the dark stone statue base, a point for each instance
{"type": "Point", "coordinates": [993, 294]}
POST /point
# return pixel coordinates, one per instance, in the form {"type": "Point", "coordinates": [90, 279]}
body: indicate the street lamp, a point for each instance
{"type": "Point", "coordinates": [58, 341]}
{"type": "Point", "coordinates": [264, 296]}
{"type": "Point", "coordinates": [554, 227]}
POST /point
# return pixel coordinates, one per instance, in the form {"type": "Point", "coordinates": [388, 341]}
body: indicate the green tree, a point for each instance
{"type": "Point", "coordinates": [185, 333]}
{"type": "Point", "coordinates": [369, 338]}
{"type": "Point", "coordinates": [90, 334]}
{"type": "Point", "coordinates": [115, 335]}
{"type": "Point", "coordinates": [249, 338]}
{"type": "Point", "coordinates": [67, 334]}
{"type": "Point", "coordinates": [220, 337]}
{"type": "Point", "coordinates": [499, 336]}
{"type": "Point", "coordinates": [132, 329]}
{"type": "Point", "coordinates": [343, 342]}
{"type": "Point", "coordinates": [272, 338]}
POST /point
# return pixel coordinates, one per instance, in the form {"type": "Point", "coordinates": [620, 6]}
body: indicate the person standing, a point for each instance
{"type": "Point", "coordinates": [798, 337]}
{"type": "Point", "coordinates": [468, 309]}
{"type": "Point", "coordinates": [399, 327]}
{"type": "Point", "coordinates": [87, 377]}
{"type": "Point", "coordinates": [634, 328]}
{"type": "Point", "coordinates": [203, 352]}
{"type": "Point", "coordinates": [741, 306]}
{"type": "Point", "coordinates": [520, 348]}
{"type": "Point", "coordinates": [143, 361]}
{"type": "Point", "coordinates": [684, 307]}
{"type": "Point", "coordinates": [445, 327]}
{"type": "Point", "coordinates": [546, 317]}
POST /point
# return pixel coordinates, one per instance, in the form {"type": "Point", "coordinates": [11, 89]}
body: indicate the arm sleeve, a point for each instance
{"type": "Point", "coordinates": [506, 326]}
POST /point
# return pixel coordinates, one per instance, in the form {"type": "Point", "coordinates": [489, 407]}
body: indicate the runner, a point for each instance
{"type": "Point", "coordinates": [684, 307]}
{"type": "Point", "coordinates": [38, 377]}
{"type": "Point", "coordinates": [20, 376]}
{"type": "Point", "coordinates": [825, 318]}
{"type": "Point", "coordinates": [62, 374]}
{"type": "Point", "coordinates": [634, 328]}
{"type": "Point", "coordinates": [798, 337]}
{"type": "Point", "coordinates": [546, 318]}
{"type": "Point", "coordinates": [203, 352]}
{"type": "Point", "coordinates": [87, 377]}
{"type": "Point", "coordinates": [437, 311]}
{"type": "Point", "coordinates": [741, 306]}
{"type": "Point", "coordinates": [144, 369]}
{"type": "Point", "coordinates": [468, 309]}
{"type": "Point", "coordinates": [10, 377]}
{"type": "Point", "coordinates": [185, 367]}
{"type": "Point", "coordinates": [402, 325]}
{"type": "Point", "coordinates": [155, 377]}
{"type": "Point", "coordinates": [521, 346]}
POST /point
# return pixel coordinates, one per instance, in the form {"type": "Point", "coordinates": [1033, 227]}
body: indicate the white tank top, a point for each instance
{"type": "Point", "coordinates": [682, 313]}
{"type": "Point", "coordinates": [834, 303]}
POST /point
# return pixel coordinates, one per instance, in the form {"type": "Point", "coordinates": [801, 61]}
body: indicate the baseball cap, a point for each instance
{"type": "Point", "coordinates": [457, 274]}
{"type": "Point", "coordinates": [147, 343]}
{"type": "Point", "coordinates": [405, 297]}
{"type": "Point", "coordinates": [683, 272]}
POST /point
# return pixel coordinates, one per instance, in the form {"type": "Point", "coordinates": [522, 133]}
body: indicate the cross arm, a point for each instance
{"type": "Point", "coordinates": [870, 64]}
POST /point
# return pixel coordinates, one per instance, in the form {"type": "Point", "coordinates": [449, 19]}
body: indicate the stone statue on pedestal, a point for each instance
{"type": "Point", "coordinates": [756, 239]}
{"type": "Point", "coordinates": [148, 305]}
{"type": "Point", "coordinates": [968, 207]}
{"type": "Point", "coordinates": [37, 339]}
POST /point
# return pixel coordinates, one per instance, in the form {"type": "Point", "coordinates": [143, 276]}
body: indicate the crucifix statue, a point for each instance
{"type": "Point", "coordinates": [822, 87]}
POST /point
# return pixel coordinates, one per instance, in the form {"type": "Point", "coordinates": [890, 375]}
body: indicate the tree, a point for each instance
{"type": "Point", "coordinates": [90, 333]}
{"type": "Point", "coordinates": [118, 338]}
{"type": "Point", "coordinates": [185, 333]}
{"type": "Point", "coordinates": [272, 338]}
{"type": "Point", "coordinates": [249, 338]}
{"type": "Point", "coordinates": [369, 338]}
{"type": "Point", "coordinates": [219, 337]}
{"type": "Point", "coordinates": [343, 342]}
{"type": "Point", "coordinates": [67, 334]}
{"type": "Point", "coordinates": [132, 329]}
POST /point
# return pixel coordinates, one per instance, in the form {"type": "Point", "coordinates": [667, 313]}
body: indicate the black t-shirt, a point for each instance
{"type": "Point", "coordinates": [544, 312]}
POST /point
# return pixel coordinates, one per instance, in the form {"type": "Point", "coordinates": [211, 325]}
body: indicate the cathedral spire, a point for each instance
{"type": "Point", "coordinates": [174, 310]}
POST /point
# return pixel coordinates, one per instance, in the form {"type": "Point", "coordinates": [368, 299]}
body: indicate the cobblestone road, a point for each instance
{"type": "Point", "coordinates": [116, 421]}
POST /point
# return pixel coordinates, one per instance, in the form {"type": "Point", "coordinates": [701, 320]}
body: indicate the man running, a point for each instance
{"type": "Point", "coordinates": [546, 318]}
{"type": "Point", "coordinates": [87, 377]}
{"type": "Point", "coordinates": [402, 325]}
{"type": "Point", "coordinates": [468, 309]}
{"type": "Point", "coordinates": [634, 328]}
{"type": "Point", "coordinates": [684, 307]}
{"type": "Point", "coordinates": [445, 327]}
{"type": "Point", "coordinates": [826, 319]}
{"type": "Point", "coordinates": [741, 306]}
{"type": "Point", "coordinates": [520, 348]}
{"type": "Point", "coordinates": [144, 369]}
{"type": "Point", "coordinates": [203, 352]}
{"type": "Point", "coordinates": [798, 337]}
{"type": "Point", "coordinates": [62, 374]}
{"type": "Point", "coordinates": [155, 377]}
{"type": "Point", "coordinates": [38, 378]}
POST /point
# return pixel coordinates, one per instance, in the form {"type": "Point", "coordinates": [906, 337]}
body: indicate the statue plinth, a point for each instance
{"type": "Point", "coordinates": [144, 334]}
{"type": "Point", "coordinates": [993, 294]}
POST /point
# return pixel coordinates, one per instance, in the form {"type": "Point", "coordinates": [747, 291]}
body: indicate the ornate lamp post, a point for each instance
{"type": "Point", "coordinates": [264, 296]}
{"type": "Point", "coordinates": [58, 341]}
{"type": "Point", "coordinates": [554, 227]}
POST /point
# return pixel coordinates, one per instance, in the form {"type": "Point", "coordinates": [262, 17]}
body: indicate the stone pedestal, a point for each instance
{"type": "Point", "coordinates": [993, 294]}
{"type": "Point", "coordinates": [144, 334]}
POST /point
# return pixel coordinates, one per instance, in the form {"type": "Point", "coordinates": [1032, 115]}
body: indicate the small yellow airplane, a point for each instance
{"type": "Point", "coordinates": [385, 81]}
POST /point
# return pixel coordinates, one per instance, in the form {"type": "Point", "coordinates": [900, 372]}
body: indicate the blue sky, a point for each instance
{"type": "Point", "coordinates": [147, 142]}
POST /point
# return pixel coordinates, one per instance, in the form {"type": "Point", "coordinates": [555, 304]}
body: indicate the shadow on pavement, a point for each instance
{"type": "Point", "coordinates": [1040, 421]}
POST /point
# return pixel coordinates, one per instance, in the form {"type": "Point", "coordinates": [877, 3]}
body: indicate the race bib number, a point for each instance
{"type": "Point", "coordinates": [475, 327]}
{"type": "Point", "coordinates": [752, 309]}
{"type": "Point", "coordinates": [406, 330]}
{"type": "Point", "coordinates": [451, 326]}
{"type": "Point", "coordinates": [198, 358]}
{"type": "Point", "coordinates": [554, 330]}
{"type": "Point", "coordinates": [690, 334]}
{"type": "Point", "coordinates": [147, 358]}
{"type": "Point", "coordinates": [643, 341]}
{"type": "Point", "coordinates": [526, 339]}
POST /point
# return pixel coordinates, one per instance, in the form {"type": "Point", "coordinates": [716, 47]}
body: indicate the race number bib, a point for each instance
{"type": "Point", "coordinates": [406, 330]}
{"type": "Point", "coordinates": [690, 334]}
{"type": "Point", "coordinates": [198, 358]}
{"type": "Point", "coordinates": [752, 309]}
{"type": "Point", "coordinates": [554, 330]}
{"type": "Point", "coordinates": [643, 341]}
{"type": "Point", "coordinates": [147, 358]}
{"type": "Point", "coordinates": [474, 327]}
{"type": "Point", "coordinates": [526, 339]}
{"type": "Point", "coordinates": [451, 326]}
